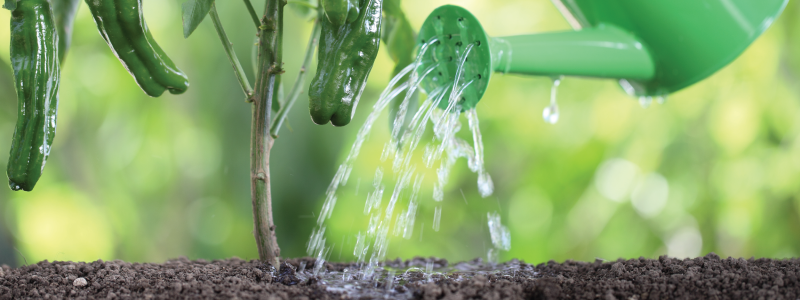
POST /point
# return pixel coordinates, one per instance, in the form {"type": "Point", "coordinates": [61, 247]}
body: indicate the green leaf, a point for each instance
{"type": "Point", "coordinates": [194, 11]}
{"type": "Point", "coordinates": [10, 4]}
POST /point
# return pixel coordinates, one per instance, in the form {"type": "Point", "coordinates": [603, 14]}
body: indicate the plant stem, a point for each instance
{"type": "Point", "coordinates": [237, 67]}
{"type": "Point", "coordinates": [297, 89]}
{"type": "Point", "coordinates": [270, 61]}
{"type": "Point", "coordinates": [253, 13]}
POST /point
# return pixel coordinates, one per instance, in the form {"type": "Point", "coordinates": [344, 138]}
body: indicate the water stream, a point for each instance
{"type": "Point", "coordinates": [372, 242]}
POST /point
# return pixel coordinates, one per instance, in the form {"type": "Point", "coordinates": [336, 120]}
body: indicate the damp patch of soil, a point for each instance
{"type": "Point", "coordinates": [708, 277]}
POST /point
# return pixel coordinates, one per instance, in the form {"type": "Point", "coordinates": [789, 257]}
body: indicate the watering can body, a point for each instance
{"type": "Point", "coordinates": [654, 46]}
{"type": "Point", "coordinates": [688, 40]}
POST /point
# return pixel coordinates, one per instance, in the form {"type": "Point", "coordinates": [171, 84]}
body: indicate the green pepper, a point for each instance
{"type": "Point", "coordinates": [346, 55]}
{"type": "Point", "coordinates": [64, 14]}
{"type": "Point", "coordinates": [122, 26]}
{"type": "Point", "coordinates": [340, 12]}
{"type": "Point", "coordinates": [34, 58]}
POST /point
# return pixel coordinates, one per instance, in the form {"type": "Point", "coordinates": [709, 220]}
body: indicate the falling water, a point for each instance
{"type": "Point", "coordinates": [344, 169]}
{"type": "Point", "coordinates": [501, 237]}
{"type": "Point", "coordinates": [316, 244]}
{"type": "Point", "coordinates": [485, 184]}
{"type": "Point", "coordinates": [437, 217]}
{"type": "Point", "coordinates": [371, 245]}
{"type": "Point", "coordinates": [414, 80]}
{"type": "Point", "coordinates": [550, 113]}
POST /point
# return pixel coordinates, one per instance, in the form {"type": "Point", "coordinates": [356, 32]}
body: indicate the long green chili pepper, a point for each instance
{"type": "Point", "coordinates": [122, 26]}
{"type": "Point", "coordinates": [346, 55]}
{"type": "Point", "coordinates": [400, 38]}
{"type": "Point", "coordinates": [64, 14]}
{"type": "Point", "coordinates": [34, 57]}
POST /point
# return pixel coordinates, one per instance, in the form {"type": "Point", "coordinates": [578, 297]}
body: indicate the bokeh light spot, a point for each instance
{"type": "Point", "coordinates": [58, 223]}
{"type": "Point", "coordinates": [615, 177]}
{"type": "Point", "coordinates": [210, 220]}
{"type": "Point", "coordinates": [685, 242]}
{"type": "Point", "coordinates": [650, 195]}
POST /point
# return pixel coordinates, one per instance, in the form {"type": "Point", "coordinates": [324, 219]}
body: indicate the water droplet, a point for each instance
{"type": "Point", "coordinates": [550, 114]}
{"type": "Point", "coordinates": [376, 181]}
{"type": "Point", "coordinates": [390, 280]}
{"type": "Point", "coordinates": [438, 192]}
{"type": "Point", "coordinates": [501, 236]}
{"type": "Point", "coordinates": [388, 150]}
{"type": "Point", "coordinates": [437, 217]}
{"type": "Point", "coordinates": [485, 184]}
{"type": "Point", "coordinates": [361, 247]}
{"type": "Point", "coordinates": [428, 269]}
{"type": "Point", "coordinates": [627, 87]}
{"type": "Point", "coordinates": [645, 101]}
{"type": "Point", "coordinates": [492, 255]}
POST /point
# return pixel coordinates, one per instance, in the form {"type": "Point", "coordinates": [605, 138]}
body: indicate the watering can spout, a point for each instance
{"type": "Point", "coordinates": [604, 51]}
{"type": "Point", "coordinates": [654, 47]}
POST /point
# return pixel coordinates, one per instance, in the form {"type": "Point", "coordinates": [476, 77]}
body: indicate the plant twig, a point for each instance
{"type": "Point", "coordinates": [270, 61]}
{"type": "Point", "coordinates": [297, 89]}
{"type": "Point", "coordinates": [237, 66]}
{"type": "Point", "coordinates": [253, 13]}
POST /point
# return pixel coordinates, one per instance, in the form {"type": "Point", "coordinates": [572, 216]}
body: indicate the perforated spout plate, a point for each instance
{"type": "Point", "coordinates": [455, 28]}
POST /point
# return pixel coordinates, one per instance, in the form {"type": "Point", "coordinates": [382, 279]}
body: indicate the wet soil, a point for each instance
{"type": "Point", "coordinates": [707, 277]}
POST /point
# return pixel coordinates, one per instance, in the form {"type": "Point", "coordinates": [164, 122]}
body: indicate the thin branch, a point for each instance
{"type": "Point", "coordinates": [297, 89]}
{"type": "Point", "coordinates": [237, 67]}
{"type": "Point", "coordinates": [253, 13]}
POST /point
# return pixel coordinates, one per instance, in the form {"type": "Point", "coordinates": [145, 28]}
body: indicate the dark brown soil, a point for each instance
{"type": "Point", "coordinates": [706, 277]}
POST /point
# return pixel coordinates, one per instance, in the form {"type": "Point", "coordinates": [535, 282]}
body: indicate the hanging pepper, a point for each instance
{"type": "Point", "coordinates": [122, 26]}
{"type": "Point", "coordinates": [346, 55]}
{"type": "Point", "coordinates": [64, 15]}
{"type": "Point", "coordinates": [34, 58]}
{"type": "Point", "coordinates": [340, 12]}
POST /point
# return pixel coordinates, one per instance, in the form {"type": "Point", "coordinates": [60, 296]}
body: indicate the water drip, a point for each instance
{"type": "Point", "coordinates": [437, 217]}
{"type": "Point", "coordinates": [428, 270]}
{"type": "Point", "coordinates": [485, 184]}
{"type": "Point", "coordinates": [551, 113]}
{"type": "Point", "coordinates": [374, 198]}
{"type": "Point", "coordinates": [413, 204]}
{"type": "Point", "coordinates": [390, 280]}
{"type": "Point", "coordinates": [361, 247]}
{"type": "Point", "coordinates": [500, 236]}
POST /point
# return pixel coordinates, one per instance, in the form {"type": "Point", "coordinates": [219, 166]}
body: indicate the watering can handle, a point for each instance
{"type": "Point", "coordinates": [602, 51]}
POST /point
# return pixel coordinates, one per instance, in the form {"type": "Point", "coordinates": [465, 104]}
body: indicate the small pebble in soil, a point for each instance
{"type": "Point", "coordinates": [80, 281]}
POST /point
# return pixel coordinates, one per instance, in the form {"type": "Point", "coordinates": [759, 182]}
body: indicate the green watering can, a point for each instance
{"type": "Point", "coordinates": [655, 47]}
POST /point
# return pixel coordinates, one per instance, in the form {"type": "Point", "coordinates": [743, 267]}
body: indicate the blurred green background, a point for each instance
{"type": "Point", "coordinates": [716, 168]}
